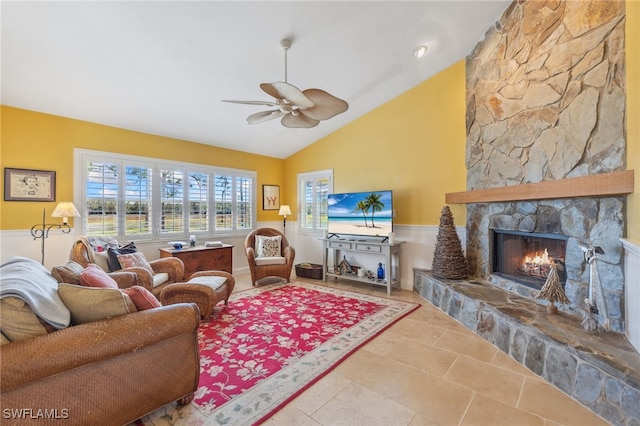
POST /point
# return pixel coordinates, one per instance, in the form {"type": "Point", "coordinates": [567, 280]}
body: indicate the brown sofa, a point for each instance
{"type": "Point", "coordinates": [111, 371]}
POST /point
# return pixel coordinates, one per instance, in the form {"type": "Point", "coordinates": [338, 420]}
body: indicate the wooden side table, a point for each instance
{"type": "Point", "coordinates": [201, 258]}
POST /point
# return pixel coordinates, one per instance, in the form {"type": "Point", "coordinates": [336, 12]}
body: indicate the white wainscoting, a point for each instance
{"type": "Point", "coordinates": [21, 243]}
{"type": "Point", "coordinates": [416, 252]}
{"type": "Point", "coordinates": [58, 246]}
{"type": "Point", "coordinates": [632, 291]}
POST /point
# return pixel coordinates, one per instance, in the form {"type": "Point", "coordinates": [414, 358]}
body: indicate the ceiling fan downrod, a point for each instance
{"type": "Point", "coordinates": [286, 45]}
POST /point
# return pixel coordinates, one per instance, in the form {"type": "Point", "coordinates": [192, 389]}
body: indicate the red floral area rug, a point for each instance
{"type": "Point", "coordinates": [271, 343]}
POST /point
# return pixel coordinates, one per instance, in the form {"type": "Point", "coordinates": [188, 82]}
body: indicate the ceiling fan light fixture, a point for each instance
{"type": "Point", "coordinates": [420, 51]}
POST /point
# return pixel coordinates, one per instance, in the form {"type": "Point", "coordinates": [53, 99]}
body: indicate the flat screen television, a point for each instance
{"type": "Point", "coordinates": [368, 213]}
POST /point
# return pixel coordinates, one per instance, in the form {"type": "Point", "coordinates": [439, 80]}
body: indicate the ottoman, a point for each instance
{"type": "Point", "coordinates": [205, 289]}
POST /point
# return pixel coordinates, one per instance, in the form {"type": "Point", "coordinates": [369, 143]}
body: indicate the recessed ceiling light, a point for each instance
{"type": "Point", "coordinates": [420, 51]}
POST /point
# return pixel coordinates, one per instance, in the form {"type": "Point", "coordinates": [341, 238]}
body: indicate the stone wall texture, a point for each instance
{"type": "Point", "coordinates": [546, 101]}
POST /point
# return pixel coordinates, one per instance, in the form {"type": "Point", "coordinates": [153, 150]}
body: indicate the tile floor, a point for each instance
{"type": "Point", "coordinates": [427, 369]}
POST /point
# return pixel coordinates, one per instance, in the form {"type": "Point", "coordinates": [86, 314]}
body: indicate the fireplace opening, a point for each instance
{"type": "Point", "coordinates": [526, 257]}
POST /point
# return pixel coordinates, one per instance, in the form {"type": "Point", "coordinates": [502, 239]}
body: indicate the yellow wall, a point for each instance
{"type": "Point", "coordinates": [414, 145]}
{"type": "Point", "coordinates": [633, 114]}
{"type": "Point", "coordinates": [32, 140]}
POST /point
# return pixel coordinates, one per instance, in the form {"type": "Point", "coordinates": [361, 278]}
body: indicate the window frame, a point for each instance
{"type": "Point", "coordinates": [83, 156]}
{"type": "Point", "coordinates": [316, 229]}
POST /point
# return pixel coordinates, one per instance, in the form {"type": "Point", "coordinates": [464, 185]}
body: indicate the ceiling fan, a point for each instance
{"type": "Point", "coordinates": [298, 108]}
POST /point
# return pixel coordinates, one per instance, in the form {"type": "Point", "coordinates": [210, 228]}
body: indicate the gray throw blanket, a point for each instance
{"type": "Point", "coordinates": [28, 280]}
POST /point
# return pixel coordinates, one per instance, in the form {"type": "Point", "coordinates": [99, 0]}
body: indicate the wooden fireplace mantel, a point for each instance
{"type": "Point", "coordinates": [604, 184]}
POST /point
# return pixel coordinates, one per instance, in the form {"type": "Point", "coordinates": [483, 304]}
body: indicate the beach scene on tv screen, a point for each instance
{"type": "Point", "coordinates": [361, 213]}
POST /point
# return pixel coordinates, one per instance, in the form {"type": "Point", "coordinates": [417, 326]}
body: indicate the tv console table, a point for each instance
{"type": "Point", "coordinates": [391, 253]}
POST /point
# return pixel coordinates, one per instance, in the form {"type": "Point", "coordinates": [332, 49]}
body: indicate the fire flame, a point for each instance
{"type": "Point", "coordinates": [537, 259]}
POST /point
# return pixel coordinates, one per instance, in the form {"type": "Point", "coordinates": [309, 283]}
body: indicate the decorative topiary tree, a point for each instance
{"type": "Point", "coordinates": [449, 261]}
{"type": "Point", "coordinates": [552, 291]}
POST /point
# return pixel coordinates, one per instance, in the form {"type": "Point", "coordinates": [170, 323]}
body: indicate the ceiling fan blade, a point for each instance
{"type": "Point", "coordinates": [298, 121]}
{"type": "Point", "coordinates": [263, 103]}
{"type": "Point", "coordinates": [282, 90]}
{"type": "Point", "coordinates": [261, 117]}
{"type": "Point", "coordinates": [326, 105]}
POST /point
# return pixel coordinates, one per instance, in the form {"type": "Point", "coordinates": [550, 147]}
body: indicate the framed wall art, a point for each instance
{"type": "Point", "coordinates": [270, 197]}
{"type": "Point", "coordinates": [29, 185]}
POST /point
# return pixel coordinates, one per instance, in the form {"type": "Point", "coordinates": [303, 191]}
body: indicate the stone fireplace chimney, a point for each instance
{"type": "Point", "coordinates": [546, 102]}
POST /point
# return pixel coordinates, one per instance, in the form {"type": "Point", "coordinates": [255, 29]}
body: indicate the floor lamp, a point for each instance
{"type": "Point", "coordinates": [65, 210]}
{"type": "Point", "coordinates": [284, 211]}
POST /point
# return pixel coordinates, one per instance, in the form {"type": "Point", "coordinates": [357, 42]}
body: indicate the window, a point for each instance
{"type": "Point", "coordinates": [101, 198]}
{"type": "Point", "coordinates": [198, 202]}
{"type": "Point", "coordinates": [126, 196]}
{"type": "Point", "coordinates": [138, 202]}
{"type": "Point", "coordinates": [172, 199]}
{"type": "Point", "coordinates": [313, 188]}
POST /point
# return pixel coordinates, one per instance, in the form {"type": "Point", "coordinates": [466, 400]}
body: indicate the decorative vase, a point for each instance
{"type": "Point", "coordinates": [380, 271]}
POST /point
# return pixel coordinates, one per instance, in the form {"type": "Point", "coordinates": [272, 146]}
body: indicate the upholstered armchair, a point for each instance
{"type": "Point", "coordinates": [155, 275]}
{"type": "Point", "coordinates": [268, 254]}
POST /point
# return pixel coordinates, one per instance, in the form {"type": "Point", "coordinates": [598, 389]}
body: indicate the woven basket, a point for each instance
{"type": "Point", "coordinates": [309, 270]}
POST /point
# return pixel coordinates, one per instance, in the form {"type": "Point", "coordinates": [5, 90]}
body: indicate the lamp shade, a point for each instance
{"type": "Point", "coordinates": [65, 209]}
{"type": "Point", "coordinates": [284, 210]}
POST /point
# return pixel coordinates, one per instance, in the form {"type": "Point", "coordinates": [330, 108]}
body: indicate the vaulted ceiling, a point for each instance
{"type": "Point", "coordinates": [163, 67]}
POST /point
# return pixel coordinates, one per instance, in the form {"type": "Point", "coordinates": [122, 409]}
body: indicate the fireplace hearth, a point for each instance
{"type": "Point", "coordinates": [602, 371]}
{"type": "Point", "coordinates": [526, 257]}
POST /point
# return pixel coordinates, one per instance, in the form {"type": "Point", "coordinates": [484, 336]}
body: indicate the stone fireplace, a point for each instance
{"type": "Point", "coordinates": [575, 221]}
{"type": "Point", "coordinates": [545, 151]}
{"type": "Point", "coordinates": [527, 257]}
{"type": "Point", "coordinates": [545, 102]}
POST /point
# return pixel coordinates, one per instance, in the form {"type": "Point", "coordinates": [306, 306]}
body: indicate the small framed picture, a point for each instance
{"type": "Point", "coordinates": [270, 197]}
{"type": "Point", "coordinates": [29, 185]}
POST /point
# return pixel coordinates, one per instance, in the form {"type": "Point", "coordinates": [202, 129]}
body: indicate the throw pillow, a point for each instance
{"type": "Point", "coordinates": [89, 304]}
{"type": "Point", "coordinates": [69, 273]}
{"type": "Point", "coordinates": [18, 321]}
{"type": "Point", "coordinates": [268, 246]}
{"type": "Point", "coordinates": [94, 276]}
{"type": "Point", "coordinates": [142, 298]}
{"type": "Point", "coordinates": [102, 260]}
{"type": "Point", "coordinates": [134, 259]}
{"type": "Point", "coordinates": [114, 264]}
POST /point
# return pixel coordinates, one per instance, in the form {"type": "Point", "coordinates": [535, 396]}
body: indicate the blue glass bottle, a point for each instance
{"type": "Point", "coordinates": [380, 272]}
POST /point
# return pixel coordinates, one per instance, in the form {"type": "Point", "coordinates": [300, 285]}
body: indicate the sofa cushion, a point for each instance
{"type": "Point", "coordinates": [275, 260]}
{"type": "Point", "coordinates": [94, 276]}
{"type": "Point", "coordinates": [268, 246]}
{"type": "Point", "coordinates": [69, 273]}
{"type": "Point", "coordinates": [114, 263]}
{"type": "Point", "coordinates": [213, 282]}
{"type": "Point", "coordinates": [89, 304]}
{"type": "Point", "coordinates": [18, 321]}
{"type": "Point", "coordinates": [142, 298]}
{"type": "Point", "coordinates": [134, 259]}
{"type": "Point", "coordinates": [160, 278]}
